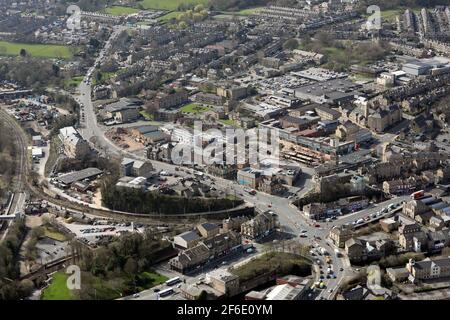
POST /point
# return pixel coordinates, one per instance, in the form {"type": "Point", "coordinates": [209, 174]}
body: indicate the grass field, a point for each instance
{"type": "Point", "coordinates": [169, 4]}
{"type": "Point", "coordinates": [194, 108]}
{"type": "Point", "coordinates": [120, 11]}
{"type": "Point", "coordinates": [51, 233]}
{"type": "Point", "coordinates": [249, 11]}
{"type": "Point", "coordinates": [229, 122]}
{"type": "Point", "coordinates": [35, 50]}
{"type": "Point", "coordinates": [58, 290]}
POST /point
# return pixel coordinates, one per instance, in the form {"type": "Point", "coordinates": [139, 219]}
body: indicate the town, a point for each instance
{"type": "Point", "coordinates": [211, 150]}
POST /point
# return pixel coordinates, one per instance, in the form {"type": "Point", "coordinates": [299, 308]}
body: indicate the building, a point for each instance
{"type": "Point", "coordinates": [232, 93]}
{"type": "Point", "coordinates": [249, 177]}
{"type": "Point", "coordinates": [260, 226]}
{"type": "Point", "coordinates": [136, 168]}
{"type": "Point", "coordinates": [355, 249]}
{"type": "Point", "coordinates": [382, 119]}
{"type": "Point", "coordinates": [209, 99]}
{"type": "Point", "coordinates": [73, 144]}
{"type": "Point", "coordinates": [223, 281]}
{"type": "Point", "coordinates": [279, 292]}
{"type": "Point", "coordinates": [68, 179]}
{"type": "Point", "coordinates": [149, 135]}
{"type": "Point", "coordinates": [205, 251]}
{"type": "Point", "coordinates": [414, 208]}
{"type": "Point", "coordinates": [186, 240]}
{"type": "Point", "coordinates": [398, 274]}
{"type": "Point", "coordinates": [428, 269]}
{"type": "Point", "coordinates": [297, 123]}
{"type": "Point", "coordinates": [170, 100]}
{"type": "Point", "coordinates": [333, 92]}
{"type": "Point", "coordinates": [339, 235]}
{"type": "Point", "coordinates": [208, 229]}
{"type": "Point", "coordinates": [123, 111]}
{"type": "Point", "coordinates": [233, 223]}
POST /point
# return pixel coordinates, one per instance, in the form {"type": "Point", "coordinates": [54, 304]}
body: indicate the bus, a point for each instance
{"type": "Point", "coordinates": [417, 194]}
{"type": "Point", "coordinates": [173, 281]}
{"type": "Point", "coordinates": [165, 292]}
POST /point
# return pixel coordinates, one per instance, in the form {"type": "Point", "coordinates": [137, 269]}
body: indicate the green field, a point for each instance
{"type": "Point", "coordinates": [169, 4]}
{"type": "Point", "coordinates": [35, 50]}
{"type": "Point", "coordinates": [120, 11]}
{"type": "Point", "coordinates": [194, 108]}
{"type": "Point", "coordinates": [58, 290]}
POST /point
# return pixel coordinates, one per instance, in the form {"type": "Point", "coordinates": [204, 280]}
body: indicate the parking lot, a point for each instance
{"type": "Point", "coordinates": [49, 250]}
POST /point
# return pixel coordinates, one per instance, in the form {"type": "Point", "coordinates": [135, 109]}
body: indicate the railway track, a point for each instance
{"type": "Point", "coordinates": [22, 183]}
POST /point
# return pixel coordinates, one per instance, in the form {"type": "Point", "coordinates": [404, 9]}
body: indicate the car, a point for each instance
{"type": "Point", "coordinates": [156, 290]}
{"type": "Point", "coordinates": [341, 269]}
{"type": "Point", "coordinates": [136, 295]}
{"type": "Point", "coordinates": [330, 291]}
{"type": "Point", "coordinates": [317, 225]}
{"type": "Point", "coordinates": [334, 276]}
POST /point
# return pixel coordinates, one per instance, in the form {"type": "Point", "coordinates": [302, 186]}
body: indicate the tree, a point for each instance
{"type": "Point", "coordinates": [291, 44]}
{"type": "Point", "coordinates": [203, 295]}
{"type": "Point", "coordinates": [23, 53]}
{"type": "Point", "coordinates": [131, 266]}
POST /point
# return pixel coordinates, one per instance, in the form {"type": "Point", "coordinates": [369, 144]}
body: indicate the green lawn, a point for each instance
{"type": "Point", "coordinates": [194, 108]}
{"type": "Point", "coordinates": [58, 290]}
{"type": "Point", "coordinates": [35, 50]}
{"type": "Point", "coordinates": [169, 4]}
{"type": "Point", "coordinates": [120, 11]}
